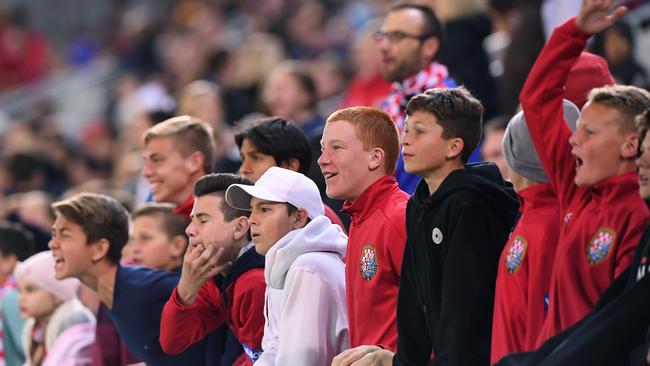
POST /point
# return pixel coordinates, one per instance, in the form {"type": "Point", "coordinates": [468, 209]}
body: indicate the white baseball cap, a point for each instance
{"type": "Point", "coordinates": [279, 185]}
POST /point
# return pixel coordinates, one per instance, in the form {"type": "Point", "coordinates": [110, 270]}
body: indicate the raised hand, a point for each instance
{"type": "Point", "coordinates": [595, 16]}
{"type": "Point", "coordinates": [199, 265]}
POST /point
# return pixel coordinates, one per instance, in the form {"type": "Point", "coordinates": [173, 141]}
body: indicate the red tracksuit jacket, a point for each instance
{"type": "Point", "coordinates": [523, 279]}
{"type": "Point", "coordinates": [373, 263]}
{"type": "Point", "coordinates": [601, 225]}
{"type": "Point", "coordinates": [182, 326]}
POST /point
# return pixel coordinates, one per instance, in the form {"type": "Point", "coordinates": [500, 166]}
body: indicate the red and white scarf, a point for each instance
{"type": "Point", "coordinates": [435, 75]}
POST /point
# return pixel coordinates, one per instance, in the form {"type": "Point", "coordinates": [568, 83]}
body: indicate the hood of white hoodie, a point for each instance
{"type": "Point", "coordinates": [319, 235]}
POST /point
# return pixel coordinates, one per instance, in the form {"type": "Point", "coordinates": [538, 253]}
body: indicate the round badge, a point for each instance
{"type": "Point", "coordinates": [436, 236]}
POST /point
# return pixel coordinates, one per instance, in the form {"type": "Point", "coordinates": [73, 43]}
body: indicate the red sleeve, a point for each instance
{"type": "Point", "coordinates": [541, 100]}
{"type": "Point", "coordinates": [627, 246]}
{"type": "Point", "coordinates": [248, 309]}
{"type": "Point", "coordinates": [396, 237]}
{"type": "Point", "coordinates": [181, 326]}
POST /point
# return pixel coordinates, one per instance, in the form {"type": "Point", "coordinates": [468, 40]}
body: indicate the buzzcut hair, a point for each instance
{"type": "Point", "coordinates": [100, 217]}
{"type": "Point", "coordinates": [278, 138]}
{"type": "Point", "coordinates": [172, 224]}
{"type": "Point", "coordinates": [374, 128]}
{"type": "Point", "coordinates": [629, 100]}
{"type": "Point", "coordinates": [456, 111]}
{"type": "Point", "coordinates": [189, 135]}
{"type": "Point", "coordinates": [16, 240]}
{"type": "Point", "coordinates": [432, 26]}
{"type": "Point", "coordinates": [217, 184]}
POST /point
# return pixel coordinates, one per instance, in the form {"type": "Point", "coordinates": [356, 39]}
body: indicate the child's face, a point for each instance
{"type": "Point", "coordinates": [208, 226]}
{"type": "Point", "coordinates": [7, 265]}
{"type": "Point", "coordinates": [344, 162]}
{"type": "Point", "coordinates": [35, 302]}
{"type": "Point", "coordinates": [72, 256]}
{"type": "Point", "coordinates": [269, 221]}
{"type": "Point", "coordinates": [424, 149]}
{"type": "Point", "coordinates": [167, 171]}
{"type": "Point", "coordinates": [151, 246]}
{"type": "Point", "coordinates": [643, 162]}
{"type": "Point", "coordinates": [597, 144]}
{"type": "Point", "coordinates": [254, 163]}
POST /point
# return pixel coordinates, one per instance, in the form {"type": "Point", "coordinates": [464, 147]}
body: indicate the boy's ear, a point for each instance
{"type": "Point", "coordinates": [376, 157]}
{"type": "Point", "coordinates": [455, 148]}
{"type": "Point", "coordinates": [195, 161]}
{"type": "Point", "coordinates": [241, 228]}
{"type": "Point", "coordinates": [291, 164]}
{"type": "Point", "coordinates": [300, 218]}
{"type": "Point", "coordinates": [100, 250]}
{"type": "Point", "coordinates": [178, 245]}
{"type": "Point", "coordinates": [630, 146]}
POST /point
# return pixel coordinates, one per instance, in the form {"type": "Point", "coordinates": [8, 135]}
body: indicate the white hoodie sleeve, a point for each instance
{"type": "Point", "coordinates": [308, 333]}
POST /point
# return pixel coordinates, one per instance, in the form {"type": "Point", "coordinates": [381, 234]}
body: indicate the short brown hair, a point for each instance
{"type": "Point", "coordinates": [173, 225]}
{"type": "Point", "coordinates": [100, 217]}
{"type": "Point", "coordinates": [629, 100]}
{"type": "Point", "coordinates": [375, 129]}
{"type": "Point", "coordinates": [457, 111]}
{"type": "Point", "coordinates": [189, 135]}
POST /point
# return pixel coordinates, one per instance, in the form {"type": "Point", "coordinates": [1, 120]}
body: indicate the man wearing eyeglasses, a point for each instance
{"type": "Point", "coordinates": [409, 41]}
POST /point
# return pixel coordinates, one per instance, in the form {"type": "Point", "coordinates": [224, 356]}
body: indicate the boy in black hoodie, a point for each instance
{"type": "Point", "coordinates": [457, 223]}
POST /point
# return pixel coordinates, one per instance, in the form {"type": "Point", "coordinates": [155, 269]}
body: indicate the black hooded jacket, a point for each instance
{"type": "Point", "coordinates": [454, 240]}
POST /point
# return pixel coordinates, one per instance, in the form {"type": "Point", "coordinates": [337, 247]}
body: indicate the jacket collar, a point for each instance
{"type": "Point", "coordinates": [372, 198]}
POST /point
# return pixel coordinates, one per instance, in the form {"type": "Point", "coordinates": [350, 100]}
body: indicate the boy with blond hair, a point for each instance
{"type": "Point", "coordinates": [592, 171]}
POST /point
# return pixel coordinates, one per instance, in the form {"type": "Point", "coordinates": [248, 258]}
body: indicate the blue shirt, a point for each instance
{"type": "Point", "coordinates": [138, 299]}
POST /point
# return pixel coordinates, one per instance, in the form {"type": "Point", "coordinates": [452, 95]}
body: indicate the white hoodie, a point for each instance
{"type": "Point", "coordinates": [306, 315]}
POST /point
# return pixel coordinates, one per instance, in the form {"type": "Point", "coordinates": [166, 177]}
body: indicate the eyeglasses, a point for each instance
{"type": "Point", "coordinates": [397, 36]}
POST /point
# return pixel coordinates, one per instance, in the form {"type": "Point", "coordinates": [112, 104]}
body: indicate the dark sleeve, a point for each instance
{"type": "Point", "coordinates": [541, 101]}
{"type": "Point", "coordinates": [475, 241]}
{"type": "Point", "coordinates": [413, 342]}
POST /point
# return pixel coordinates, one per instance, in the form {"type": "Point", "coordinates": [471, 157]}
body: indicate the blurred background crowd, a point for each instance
{"type": "Point", "coordinates": [81, 80]}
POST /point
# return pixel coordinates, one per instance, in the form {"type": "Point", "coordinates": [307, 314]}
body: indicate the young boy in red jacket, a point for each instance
{"type": "Point", "coordinates": [526, 262]}
{"type": "Point", "coordinates": [592, 170]}
{"type": "Point", "coordinates": [222, 279]}
{"type": "Point", "coordinates": [360, 146]}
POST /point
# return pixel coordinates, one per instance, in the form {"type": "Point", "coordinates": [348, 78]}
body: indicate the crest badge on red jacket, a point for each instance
{"type": "Point", "coordinates": [600, 245]}
{"type": "Point", "coordinates": [515, 254]}
{"type": "Point", "coordinates": [368, 263]}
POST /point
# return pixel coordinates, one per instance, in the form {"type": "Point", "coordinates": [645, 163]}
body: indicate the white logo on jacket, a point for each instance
{"type": "Point", "coordinates": [436, 236]}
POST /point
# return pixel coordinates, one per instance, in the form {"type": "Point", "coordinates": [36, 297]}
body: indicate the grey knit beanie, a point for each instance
{"type": "Point", "coordinates": [518, 147]}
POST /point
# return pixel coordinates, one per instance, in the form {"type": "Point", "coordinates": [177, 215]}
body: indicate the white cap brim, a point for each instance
{"type": "Point", "coordinates": [239, 196]}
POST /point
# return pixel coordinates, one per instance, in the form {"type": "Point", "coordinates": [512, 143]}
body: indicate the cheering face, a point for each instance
{"type": "Point", "coordinates": [343, 161]}
{"type": "Point", "coordinates": [597, 144]}
{"type": "Point", "coordinates": [167, 171]}
{"type": "Point", "coordinates": [73, 255]}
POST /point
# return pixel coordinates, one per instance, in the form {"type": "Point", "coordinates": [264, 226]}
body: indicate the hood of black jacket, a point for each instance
{"type": "Point", "coordinates": [483, 178]}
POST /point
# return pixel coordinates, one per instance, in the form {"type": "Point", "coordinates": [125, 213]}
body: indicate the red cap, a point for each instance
{"type": "Point", "coordinates": [590, 71]}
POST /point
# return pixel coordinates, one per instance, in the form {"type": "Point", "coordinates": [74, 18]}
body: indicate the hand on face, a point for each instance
{"type": "Point", "coordinates": [201, 262]}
